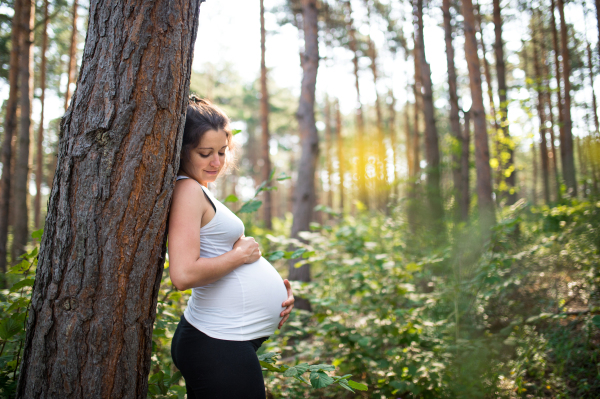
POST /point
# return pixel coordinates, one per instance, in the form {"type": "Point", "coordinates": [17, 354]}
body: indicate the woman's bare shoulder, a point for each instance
{"type": "Point", "coordinates": [189, 197]}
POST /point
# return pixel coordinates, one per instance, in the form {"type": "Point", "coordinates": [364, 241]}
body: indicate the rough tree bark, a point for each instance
{"type": "Point", "coordinates": [485, 201]}
{"type": "Point", "coordinates": [360, 121]}
{"type": "Point", "coordinates": [432, 151]}
{"type": "Point", "coordinates": [304, 193]}
{"type": "Point", "coordinates": [264, 121]}
{"type": "Point", "coordinates": [89, 333]}
{"type": "Point", "coordinates": [72, 55]}
{"type": "Point", "coordinates": [39, 160]}
{"type": "Point", "coordinates": [21, 189]}
{"type": "Point", "coordinates": [455, 129]}
{"type": "Point", "coordinates": [509, 170]}
{"type": "Point", "coordinates": [10, 125]}
{"type": "Point", "coordinates": [566, 145]}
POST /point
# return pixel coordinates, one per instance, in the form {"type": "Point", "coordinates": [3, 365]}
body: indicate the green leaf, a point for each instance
{"type": "Point", "coordinates": [250, 206]}
{"type": "Point", "coordinates": [271, 367]}
{"type": "Point", "coordinates": [9, 327]}
{"type": "Point", "coordinates": [19, 268]}
{"type": "Point", "coordinates": [175, 378]}
{"type": "Point", "coordinates": [324, 367]}
{"type": "Point", "coordinates": [275, 256]}
{"type": "Point", "coordinates": [291, 372]}
{"type": "Point", "coordinates": [296, 254]}
{"type": "Point", "coordinates": [28, 282]}
{"type": "Point", "coordinates": [302, 367]}
{"type": "Point", "coordinates": [319, 379]}
{"type": "Point", "coordinates": [235, 131]}
{"type": "Point", "coordinates": [596, 320]}
{"type": "Point", "coordinates": [22, 302]}
{"type": "Point", "coordinates": [37, 235]}
{"type": "Point", "coordinates": [231, 198]}
{"type": "Point", "coordinates": [282, 178]}
{"type": "Point", "coordinates": [358, 385]}
{"type": "Point", "coordinates": [268, 357]}
{"type": "Point", "coordinates": [345, 386]}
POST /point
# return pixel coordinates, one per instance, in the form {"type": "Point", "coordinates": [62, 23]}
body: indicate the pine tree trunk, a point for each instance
{"type": "Point", "coordinates": [559, 85]}
{"type": "Point", "coordinates": [328, 152]}
{"type": "Point", "coordinates": [535, 175]}
{"type": "Point", "coordinates": [37, 205]}
{"type": "Point", "coordinates": [598, 20]}
{"type": "Point", "coordinates": [10, 126]}
{"type": "Point", "coordinates": [482, 153]}
{"type": "Point", "coordinates": [72, 55]}
{"type": "Point", "coordinates": [89, 332]}
{"type": "Point", "coordinates": [360, 122]}
{"type": "Point", "coordinates": [340, 152]}
{"type": "Point", "coordinates": [304, 196]}
{"type": "Point", "coordinates": [264, 121]}
{"type": "Point", "coordinates": [464, 168]}
{"type": "Point", "coordinates": [455, 129]}
{"type": "Point", "coordinates": [21, 189]}
{"type": "Point", "coordinates": [548, 96]}
{"type": "Point", "coordinates": [503, 108]}
{"type": "Point", "coordinates": [591, 74]}
{"type": "Point", "coordinates": [392, 134]}
{"type": "Point", "coordinates": [542, 115]}
{"type": "Point", "coordinates": [566, 147]}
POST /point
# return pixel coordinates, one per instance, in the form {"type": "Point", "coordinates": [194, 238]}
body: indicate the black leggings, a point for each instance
{"type": "Point", "coordinates": [215, 368]}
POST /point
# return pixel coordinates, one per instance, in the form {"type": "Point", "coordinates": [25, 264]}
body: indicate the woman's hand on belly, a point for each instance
{"type": "Point", "coordinates": [248, 249]}
{"type": "Point", "coordinates": [288, 304]}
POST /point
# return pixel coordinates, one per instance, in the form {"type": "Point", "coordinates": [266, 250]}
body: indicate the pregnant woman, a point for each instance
{"type": "Point", "coordinates": [238, 299]}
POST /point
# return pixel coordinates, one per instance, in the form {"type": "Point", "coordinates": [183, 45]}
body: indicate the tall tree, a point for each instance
{"type": "Point", "coordinates": [10, 125]}
{"type": "Point", "coordinates": [304, 193]}
{"type": "Point", "coordinates": [328, 150]}
{"type": "Point", "coordinates": [559, 84]}
{"type": "Point", "coordinates": [591, 76]}
{"type": "Point", "coordinates": [360, 121]}
{"type": "Point", "coordinates": [598, 21]}
{"type": "Point", "coordinates": [509, 169]}
{"type": "Point", "coordinates": [72, 55]}
{"type": "Point", "coordinates": [340, 151]}
{"type": "Point", "coordinates": [264, 120]}
{"type": "Point", "coordinates": [89, 333]}
{"type": "Point", "coordinates": [392, 134]}
{"type": "Point", "coordinates": [21, 190]}
{"type": "Point", "coordinates": [482, 153]}
{"type": "Point", "coordinates": [552, 120]}
{"type": "Point", "coordinates": [455, 129]}
{"type": "Point", "coordinates": [37, 205]}
{"type": "Point", "coordinates": [464, 168]}
{"type": "Point", "coordinates": [566, 145]}
{"type": "Point", "coordinates": [432, 151]}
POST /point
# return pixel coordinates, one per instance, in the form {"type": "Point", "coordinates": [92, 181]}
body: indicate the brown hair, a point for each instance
{"type": "Point", "coordinates": [202, 116]}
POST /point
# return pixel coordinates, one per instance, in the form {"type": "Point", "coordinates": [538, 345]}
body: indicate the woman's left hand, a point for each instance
{"type": "Point", "coordinates": [288, 304]}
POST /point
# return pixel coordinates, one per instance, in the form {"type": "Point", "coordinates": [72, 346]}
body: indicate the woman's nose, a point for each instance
{"type": "Point", "coordinates": [215, 160]}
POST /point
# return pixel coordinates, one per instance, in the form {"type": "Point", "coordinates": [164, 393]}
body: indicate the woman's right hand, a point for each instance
{"type": "Point", "coordinates": [248, 249]}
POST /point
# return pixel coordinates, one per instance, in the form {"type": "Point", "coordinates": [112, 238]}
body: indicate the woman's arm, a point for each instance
{"type": "Point", "coordinates": [186, 268]}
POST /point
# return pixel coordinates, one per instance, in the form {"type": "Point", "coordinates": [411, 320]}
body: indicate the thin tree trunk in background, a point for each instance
{"type": "Point", "coordinates": [392, 134]}
{"type": "Point", "coordinates": [340, 151]}
{"type": "Point", "coordinates": [485, 201]}
{"type": "Point", "coordinates": [264, 121]}
{"type": "Point", "coordinates": [432, 150]}
{"type": "Point", "coordinates": [598, 21]}
{"type": "Point", "coordinates": [360, 122]}
{"type": "Point", "coordinates": [541, 114]}
{"type": "Point", "coordinates": [507, 144]}
{"type": "Point", "coordinates": [464, 168]}
{"type": "Point", "coordinates": [328, 151]}
{"type": "Point", "coordinates": [10, 126]}
{"type": "Point", "coordinates": [416, 136]}
{"type": "Point", "coordinates": [559, 85]}
{"type": "Point", "coordinates": [89, 333]}
{"type": "Point", "coordinates": [21, 189]}
{"type": "Point", "coordinates": [591, 74]}
{"type": "Point", "coordinates": [455, 129]}
{"type": "Point", "coordinates": [71, 69]}
{"type": "Point", "coordinates": [304, 198]}
{"type": "Point", "coordinates": [582, 166]}
{"type": "Point", "coordinates": [566, 147]}
{"type": "Point", "coordinates": [548, 96]}
{"type": "Point", "coordinates": [37, 205]}
{"type": "Point", "coordinates": [535, 174]}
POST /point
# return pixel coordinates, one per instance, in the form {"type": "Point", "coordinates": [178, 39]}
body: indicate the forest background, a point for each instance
{"type": "Point", "coordinates": [438, 214]}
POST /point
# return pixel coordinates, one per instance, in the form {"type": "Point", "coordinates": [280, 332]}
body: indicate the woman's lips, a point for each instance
{"type": "Point", "coordinates": [211, 172]}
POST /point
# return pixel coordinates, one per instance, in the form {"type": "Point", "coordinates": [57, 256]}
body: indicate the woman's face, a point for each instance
{"type": "Point", "coordinates": [207, 160]}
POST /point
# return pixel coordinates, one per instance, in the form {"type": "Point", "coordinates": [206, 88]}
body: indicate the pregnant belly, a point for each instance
{"type": "Point", "coordinates": [243, 305]}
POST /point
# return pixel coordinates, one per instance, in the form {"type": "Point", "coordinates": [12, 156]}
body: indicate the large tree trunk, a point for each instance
{"type": "Point", "coordinates": [541, 113]}
{"type": "Point", "coordinates": [509, 170]}
{"type": "Point", "coordinates": [566, 145]}
{"type": "Point", "coordinates": [464, 168]}
{"type": "Point", "coordinates": [454, 115]}
{"type": "Point", "coordinates": [39, 160]}
{"type": "Point", "coordinates": [485, 201]}
{"type": "Point", "coordinates": [360, 122]}
{"type": "Point", "coordinates": [340, 152]}
{"type": "Point", "coordinates": [432, 151]}
{"type": "Point", "coordinates": [89, 333]}
{"type": "Point", "coordinates": [72, 55]}
{"type": "Point", "coordinates": [10, 125]}
{"type": "Point", "coordinates": [304, 195]}
{"type": "Point", "coordinates": [21, 235]}
{"type": "Point", "coordinates": [264, 120]}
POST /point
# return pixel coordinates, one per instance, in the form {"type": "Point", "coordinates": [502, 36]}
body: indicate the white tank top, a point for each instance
{"type": "Point", "coordinates": [244, 304]}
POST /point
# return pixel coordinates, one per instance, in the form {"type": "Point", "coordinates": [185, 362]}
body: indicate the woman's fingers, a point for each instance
{"type": "Point", "coordinates": [283, 321]}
